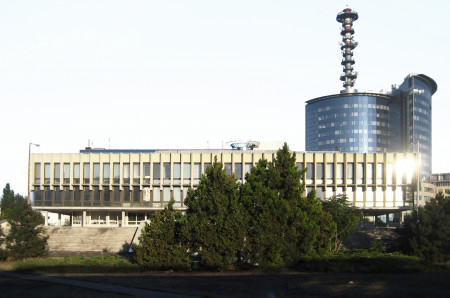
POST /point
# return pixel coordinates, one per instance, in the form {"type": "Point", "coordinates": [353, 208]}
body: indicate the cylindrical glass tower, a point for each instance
{"type": "Point", "coordinates": [352, 122]}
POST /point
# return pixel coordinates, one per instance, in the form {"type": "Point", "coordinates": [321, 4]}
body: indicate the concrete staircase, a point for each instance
{"type": "Point", "coordinates": [70, 241]}
{"type": "Point", "coordinates": [362, 238]}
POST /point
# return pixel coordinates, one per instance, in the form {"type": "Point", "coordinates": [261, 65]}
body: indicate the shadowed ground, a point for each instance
{"type": "Point", "coordinates": [246, 284]}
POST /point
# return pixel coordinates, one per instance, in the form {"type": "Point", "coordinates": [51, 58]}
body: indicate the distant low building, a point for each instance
{"type": "Point", "coordinates": [427, 191]}
{"type": "Point", "coordinates": [442, 183]}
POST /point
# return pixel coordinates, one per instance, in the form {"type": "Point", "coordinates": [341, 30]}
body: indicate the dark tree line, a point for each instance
{"type": "Point", "coordinates": [426, 233]}
{"type": "Point", "coordinates": [266, 221]}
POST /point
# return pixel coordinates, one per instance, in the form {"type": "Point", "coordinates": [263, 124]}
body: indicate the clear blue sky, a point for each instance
{"type": "Point", "coordinates": [193, 74]}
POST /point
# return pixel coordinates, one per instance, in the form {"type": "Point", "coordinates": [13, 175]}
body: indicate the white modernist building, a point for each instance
{"type": "Point", "coordinates": [101, 187]}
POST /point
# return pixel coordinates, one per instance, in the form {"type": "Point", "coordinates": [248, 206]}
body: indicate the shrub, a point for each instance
{"type": "Point", "coordinates": [77, 264]}
{"type": "Point", "coordinates": [345, 216]}
{"type": "Point", "coordinates": [363, 261]}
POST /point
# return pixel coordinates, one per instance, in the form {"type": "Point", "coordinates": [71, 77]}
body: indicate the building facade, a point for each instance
{"type": "Point", "coordinates": [352, 121]}
{"type": "Point", "coordinates": [427, 191]}
{"type": "Point", "coordinates": [410, 119]}
{"type": "Point", "coordinates": [123, 187]}
{"type": "Point", "coordinates": [442, 183]}
{"type": "Point", "coordinates": [396, 121]}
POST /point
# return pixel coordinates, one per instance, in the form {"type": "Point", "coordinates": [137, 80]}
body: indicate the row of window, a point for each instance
{"type": "Point", "coordinates": [361, 115]}
{"type": "Point", "coordinates": [363, 173]}
{"type": "Point", "coordinates": [425, 120]}
{"type": "Point", "coordinates": [352, 123]}
{"type": "Point", "coordinates": [128, 196]}
{"type": "Point", "coordinates": [106, 174]}
{"type": "Point", "coordinates": [160, 196]}
{"type": "Point", "coordinates": [440, 177]}
{"type": "Point", "coordinates": [172, 173]}
{"type": "Point", "coordinates": [369, 194]}
{"type": "Point", "coordinates": [422, 111]}
{"type": "Point", "coordinates": [424, 103]}
{"type": "Point", "coordinates": [354, 106]}
{"type": "Point", "coordinates": [352, 132]}
{"type": "Point", "coordinates": [423, 128]}
{"type": "Point", "coordinates": [108, 218]}
{"type": "Point", "coordinates": [354, 140]}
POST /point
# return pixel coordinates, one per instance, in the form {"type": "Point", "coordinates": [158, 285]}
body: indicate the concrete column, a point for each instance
{"type": "Point", "coordinates": [45, 218]}
{"type": "Point", "coordinates": [83, 220]}
{"type": "Point", "coordinates": [124, 222]}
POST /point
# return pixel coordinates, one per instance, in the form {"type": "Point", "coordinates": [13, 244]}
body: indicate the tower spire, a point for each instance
{"type": "Point", "coordinates": [346, 18]}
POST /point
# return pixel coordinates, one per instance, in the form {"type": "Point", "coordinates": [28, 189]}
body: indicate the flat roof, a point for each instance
{"type": "Point", "coordinates": [101, 150]}
{"type": "Point", "coordinates": [373, 94]}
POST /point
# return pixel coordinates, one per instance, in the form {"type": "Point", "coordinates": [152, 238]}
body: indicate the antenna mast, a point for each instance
{"type": "Point", "coordinates": [346, 18]}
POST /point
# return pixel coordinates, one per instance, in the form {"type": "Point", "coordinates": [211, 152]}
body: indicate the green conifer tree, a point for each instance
{"type": "Point", "coordinates": [161, 243]}
{"type": "Point", "coordinates": [216, 223]}
{"type": "Point", "coordinates": [27, 236]}
{"type": "Point", "coordinates": [8, 202]}
{"type": "Point", "coordinates": [283, 225]}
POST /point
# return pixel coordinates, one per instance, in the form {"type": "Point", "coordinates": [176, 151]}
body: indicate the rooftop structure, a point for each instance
{"type": "Point", "coordinates": [346, 18]}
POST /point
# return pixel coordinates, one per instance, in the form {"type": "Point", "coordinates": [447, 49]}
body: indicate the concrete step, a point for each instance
{"type": "Point", "coordinates": [82, 240]}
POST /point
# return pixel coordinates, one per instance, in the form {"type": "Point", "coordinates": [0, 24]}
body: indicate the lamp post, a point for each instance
{"type": "Point", "coordinates": [29, 167]}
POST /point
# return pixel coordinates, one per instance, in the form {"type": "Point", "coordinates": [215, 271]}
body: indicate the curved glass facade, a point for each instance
{"type": "Point", "coordinates": [370, 122]}
{"type": "Point", "coordinates": [357, 122]}
{"type": "Point", "coordinates": [412, 106]}
{"type": "Point", "coordinates": [422, 123]}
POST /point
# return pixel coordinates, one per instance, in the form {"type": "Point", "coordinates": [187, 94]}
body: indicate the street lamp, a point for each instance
{"type": "Point", "coordinates": [29, 166]}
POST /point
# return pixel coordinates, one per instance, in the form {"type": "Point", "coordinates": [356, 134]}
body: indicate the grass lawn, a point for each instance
{"type": "Point", "coordinates": [352, 261]}
{"type": "Point", "coordinates": [75, 264]}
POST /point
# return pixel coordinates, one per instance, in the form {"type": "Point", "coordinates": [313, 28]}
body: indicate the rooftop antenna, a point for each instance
{"type": "Point", "coordinates": [243, 145]}
{"type": "Point", "coordinates": [346, 18]}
